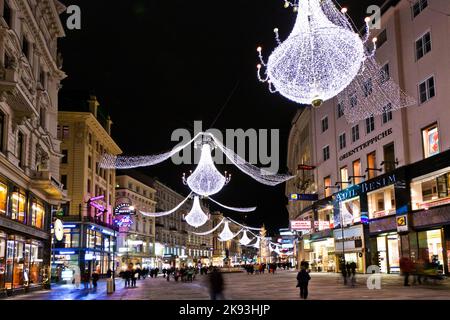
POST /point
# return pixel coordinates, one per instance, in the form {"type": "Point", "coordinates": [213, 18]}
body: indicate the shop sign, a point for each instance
{"type": "Point", "coordinates": [366, 144]}
{"type": "Point", "coordinates": [88, 257]}
{"type": "Point", "coordinates": [301, 225]}
{"type": "Point", "coordinates": [67, 275]}
{"type": "Point", "coordinates": [378, 184]}
{"type": "Point", "coordinates": [322, 225]}
{"type": "Point", "coordinates": [304, 197]}
{"type": "Point", "coordinates": [402, 223]}
{"type": "Point", "coordinates": [124, 209]}
{"type": "Point", "coordinates": [123, 222]}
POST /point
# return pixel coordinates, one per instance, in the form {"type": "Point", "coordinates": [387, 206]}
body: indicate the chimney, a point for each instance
{"type": "Point", "coordinates": [109, 124]}
{"type": "Point", "coordinates": [93, 105]}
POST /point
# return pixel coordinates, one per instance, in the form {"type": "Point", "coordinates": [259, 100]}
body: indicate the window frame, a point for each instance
{"type": "Point", "coordinates": [342, 141]}
{"type": "Point", "coordinates": [427, 128]}
{"type": "Point", "coordinates": [423, 45]}
{"type": "Point", "coordinates": [427, 89]}
{"type": "Point", "coordinates": [324, 120]}
{"type": "Point", "coordinates": [327, 147]}
{"type": "Point", "coordinates": [357, 133]}
{"type": "Point", "coordinates": [370, 121]}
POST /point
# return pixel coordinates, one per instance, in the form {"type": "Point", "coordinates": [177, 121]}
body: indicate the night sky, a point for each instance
{"type": "Point", "coordinates": [159, 65]}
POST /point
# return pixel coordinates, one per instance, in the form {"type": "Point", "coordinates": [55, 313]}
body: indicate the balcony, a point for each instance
{"type": "Point", "coordinates": [44, 180]}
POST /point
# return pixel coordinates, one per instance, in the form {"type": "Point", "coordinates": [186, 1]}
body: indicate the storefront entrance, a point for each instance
{"type": "Point", "coordinates": [322, 256]}
{"type": "Point", "coordinates": [388, 253]}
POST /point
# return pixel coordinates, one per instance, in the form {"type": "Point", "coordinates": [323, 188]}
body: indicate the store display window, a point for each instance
{"type": "Point", "coordinates": [18, 205]}
{"type": "Point", "coordinates": [37, 214]}
{"type": "Point", "coordinates": [430, 138]}
{"type": "Point", "coordinates": [19, 262]}
{"type": "Point", "coordinates": [326, 220]}
{"type": "Point", "coordinates": [431, 249]}
{"type": "Point", "coordinates": [2, 259]}
{"type": "Point", "coordinates": [3, 198]}
{"type": "Point", "coordinates": [430, 191]}
{"type": "Point", "coordinates": [381, 202]}
{"type": "Point", "coordinates": [350, 212]}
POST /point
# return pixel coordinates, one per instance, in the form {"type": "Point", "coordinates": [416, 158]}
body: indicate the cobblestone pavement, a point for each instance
{"type": "Point", "coordinates": [240, 286]}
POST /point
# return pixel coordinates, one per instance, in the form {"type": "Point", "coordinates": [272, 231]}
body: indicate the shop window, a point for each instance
{"type": "Point", "coordinates": [19, 263]}
{"type": "Point", "coordinates": [430, 249]}
{"type": "Point", "coordinates": [2, 260]}
{"type": "Point", "coordinates": [430, 141]}
{"type": "Point", "coordinates": [2, 130]}
{"type": "Point", "coordinates": [431, 191]}
{"type": "Point", "coordinates": [381, 202]}
{"type": "Point", "coordinates": [36, 263]}
{"type": "Point", "coordinates": [357, 171]}
{"type": "Point", "coordinates": [3, 198]}
{"type": "Point", "coordinates": [37, 214]}
{"type": "Point", "coordinates": [389, 157]}
{"type": "Point", "coordinates": [18, 202]}
{"type": "Point", "coordinates": [371, 164]}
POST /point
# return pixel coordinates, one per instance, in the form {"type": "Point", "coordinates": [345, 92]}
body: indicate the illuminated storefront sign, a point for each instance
{"type": "Point", "coordinates": [124, 209]}
{"type": "Point", "coordinates": [402, 223]}
{"type": "Point", "coordinates": [304, 197]}
{"type": "Point", "coordinates": [300, 225]}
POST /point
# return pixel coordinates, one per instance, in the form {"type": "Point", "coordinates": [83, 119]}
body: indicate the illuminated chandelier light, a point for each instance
{"type": "Point", "coordinates": [226, 233]}
{"type": "Point", "coordinates": [319, 59]}
{"type": "Point", "coordinates": [257, 243]}
{"type": "Point", "coordinates": [372, 92]}
{"type": "Point", "coordinates": [259, 174]}
{"type": "Point", "coordinates": [245, 240]}
{"type": "Point", "coordinates": [196, 217]}
{"type": "Point", "coordinates": [250, 209]}
{"type": "Point", "coordinates": [165, 213]}
{"type": "Point", "coordinates": [110, 161]}
{"type": "Point", "coordinates": [210, 231]}
{"type": "Point", "coordinates": [206, 180]}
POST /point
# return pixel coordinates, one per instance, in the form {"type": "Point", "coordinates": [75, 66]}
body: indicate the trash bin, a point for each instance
{"type": "Point", "coordinates": [109, 286]}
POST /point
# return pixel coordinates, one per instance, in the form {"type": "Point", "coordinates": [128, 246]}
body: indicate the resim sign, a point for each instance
{"type": "Point", "coordinates": [366, 187]}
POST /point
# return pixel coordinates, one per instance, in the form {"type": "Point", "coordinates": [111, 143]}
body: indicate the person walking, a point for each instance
{"type": "Point", "coordinates": [303, 278]}
{"type": "Point", "coordinates": [353, 271]}
{"type": "Point", "coordinates": [109, 273]}
{"type": "Point", "coordinates": [406, 267]}
{"type": "Point", "coordinates": [216, 284]}
{"type": "Point", "coordinates": [344, 272]}
{"type": "Point", "coordinates": [95, 277]}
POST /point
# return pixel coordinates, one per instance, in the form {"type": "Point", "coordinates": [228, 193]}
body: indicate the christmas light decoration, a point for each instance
{"type": "Point", "coordinates": [196, 217]}
{"type": "Point", "coordinates": [165, 213]}
{"type": "Point", "coordinates": [206, 180]}
{"type": "Point", "coordinates": [210, 231]}
{"type": "Point", "coordinates": [250, 209]}
{"type": "Point", "coordinates": [319, 59]}
{"type": "Point", "coordinates": [257, 243]}
{"type": "Point", "coordinates": [245, 240]}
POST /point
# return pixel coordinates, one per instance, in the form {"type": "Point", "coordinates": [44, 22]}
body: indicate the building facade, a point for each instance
{"type": "Point", "coordinates": [136, 241]}
{"type": "Point", "coordinates": [89, 232]}
{"type": "Point", "coordinates": [30, 185]}
{"type": "Point", "coordinates": [355, 162]}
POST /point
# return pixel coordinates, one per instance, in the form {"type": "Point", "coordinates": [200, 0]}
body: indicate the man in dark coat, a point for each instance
{"type": "Point", "coordinates": [216, 284]}
{"type": "Point", "coordinates": [303, 278]}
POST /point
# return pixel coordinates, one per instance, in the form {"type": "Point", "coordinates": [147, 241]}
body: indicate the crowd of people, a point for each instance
{"type": "Point", "coordinates": [270, 267]}
{"type": "Point", "coordinates": [421, 270]}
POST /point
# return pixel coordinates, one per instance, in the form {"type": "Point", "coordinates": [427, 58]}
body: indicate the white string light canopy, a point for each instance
{"type": "Point", "coordinates": [319, 59]}
{"type": "Point", "coordinates": [196, 217]}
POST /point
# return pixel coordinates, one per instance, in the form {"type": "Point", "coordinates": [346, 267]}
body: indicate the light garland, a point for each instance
{"type": "Point", "coordinates": [245, 240]}
{"type": "Point", "coordinates": [196, 217]}
{"type": "Point", "coordinates": [210, 231]}
{"type": "Point", "coordinates": [206, 180]}
{"type": "Point", "coordinates": [226, 233]}
{"type": "Point", "coordinates": [319, 59]}
{"type": "Point", "coordinates": [250, 209]}
{"type": "Point", "coordinates": [165, 213]}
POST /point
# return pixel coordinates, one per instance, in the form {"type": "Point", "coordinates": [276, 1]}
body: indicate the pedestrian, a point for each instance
{"type": "Point", "coordinates": [95, 277]}
{"type": "Point", "coordinates": [344, 272]}
{"type": "Point", "coordinates": [87, 279]}
{"type": "Point", "coordinates": [216, 284]}
{"type": "Point", "coordinates": [109, 273]}
{"type": "Point", "coordinates": [353, 271]}
{"type": "Point", "coordinates": [419, 268]}
{"type": "Point", "coordinates": [134, 278]}
{"type": "Point", "coordinates": [406, 267]}
{"type": "Point", "coordinates": [164, 270]}
{"type": "Point", "coordinates": [303, 278]}
{"type": "Point", "coordinates": [168, 271]}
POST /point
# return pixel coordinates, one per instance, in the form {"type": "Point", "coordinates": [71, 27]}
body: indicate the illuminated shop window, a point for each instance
{"type": "Point", "coordinates": [357, 171]}
{"type": "Point", "coordinates": [3, 198]}
{"type": "Point", "coordinates": [350, 211]}
{"type": "Point", "coordinates": [37, 214]}
{"type": "Point", "coordinates": [430, 138]}
{"type": "Point", "coordinates": [431, 190]}
{"type": "Point", "coordinates": [18, 201]}
{"type": "Point", "coordinates": [381, 202]}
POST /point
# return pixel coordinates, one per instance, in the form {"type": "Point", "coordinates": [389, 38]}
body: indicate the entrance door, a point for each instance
{"type": "Point", "coordinates": [394, 254]}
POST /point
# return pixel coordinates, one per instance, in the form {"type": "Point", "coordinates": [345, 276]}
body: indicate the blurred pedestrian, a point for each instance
{"type": "Point", "coordinates": [109, 273]}
{"type": "Point", "coordinates": [216, 284]}
{"type": "Point", "coordinates": [303, 278]}
{"type": "Point", "coordinates": [95, 277]}
{"type": "Point", "coordinates": [406, 267]}
{"type": "Point", "coordinates": [353, 272]}
{"type": "Point", "coordinates": [344, 272]}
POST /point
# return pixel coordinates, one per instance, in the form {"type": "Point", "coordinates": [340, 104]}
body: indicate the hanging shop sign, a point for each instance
{"type": "Point", "coordinates": [402, 223]}
{"type": "Point", "coordinates": [366, 144]}
{"type": "Point", "coordinates": [123, 221]}
{"type": "Point", "coordinates": [301, 225]}
{"type": "Point", "coordinates": [124, 209]}
{"type": "Point", "coordinates": [305, 167]}
{"type": "Point", "coordinates": [304, 197]}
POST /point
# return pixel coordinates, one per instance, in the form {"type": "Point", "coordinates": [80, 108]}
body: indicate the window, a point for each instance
{"type": "Point", "coordinates": [431, 190]}
{"type": "Point", "coordinates": [430, 141]}
{"type": "Point", "coordinates": [324, 124]}
{"type": "Point", "coordinates": [327, 183]}
{"type": "Point", "coordinates": [384, 73]}
{"type": "Point", "coordinates": [357, 171]}
{"type": "Point", "coordinates": [89, 162]}
{"type": "Point", "coordinates": [340, 110]}
{"type": "Point", "coordinates": [7, 13]}
{"type": "Point", "coordinates": [130, 186]}
{"type": "Point", "coordinates": [381, 38]}
{"type": "Point", "coordinates": [42, 118]}
{"type": "Point", "coordinates": [26, 47]}
{"type": "Point", "coordinates": [65, 158]}
{"type": "Point", "coordinates": [65, 132]}
{"type": "Point", "coordinates": [381, 203]}
{"type": "Point", "coordinates": [344, 177]}
{"type": "Point", "coordinates": [355, 133]}
{"type": "Point", "coordinates": [3, 198]}
{"type": "Point", "coordinates": [368, 87]}
{"type": "Point", "coordinates": [371, 165]}
{"type": "Point", "coordinates": [370, 124]}
{"type": "Point", "coordinates": [18, 202]}
{"type": "Point", "coordinates": [64, 181]}
{"type": "Point", "coordinates": [43, 79]}
{"type": "Point", "coordinates": [426, 90]}
{"type": "Point", "coordinates": [423, 45]}
{"type": "Point", "coordinates": [326, 153]}
{"type": "Point", "coordinates": [20, 147]}
{"type": "Point", "coordinates": [353, 100]}
{"type": "Point", "coordinates": [387, 113]}
{"type": "Point", "coordinates": [389, 157]}
{"type": "Point", "coordinates": [342, 141]}
{"type": "Point", "coordinates": [350, 212]}
{"type": "Point", "coordinates": [418, 7]}
{"type": "Point", "coordinates": [89, 186]}
{"type": "Point", "coordinates": [37, 214]}
{"type": "Point", "coordinates": [2, 130]}
{"type": "Point", "coordinates": [90, 139]}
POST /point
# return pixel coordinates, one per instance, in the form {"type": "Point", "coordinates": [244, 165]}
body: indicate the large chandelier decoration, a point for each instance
{"type": "Point", "coordinates": [245, 240]}
{"type": "Point", "coordinates": [196, 217]}
{"type": "Point", "coordinates": [318, 60]}
{"type": "Point", "coordinates": [226, 234]}
{"type": "Point", "coordinates": [206, 180]}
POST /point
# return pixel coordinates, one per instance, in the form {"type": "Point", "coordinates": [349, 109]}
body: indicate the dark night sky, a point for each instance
{"type": "Point", "coordinates": [158, 65]}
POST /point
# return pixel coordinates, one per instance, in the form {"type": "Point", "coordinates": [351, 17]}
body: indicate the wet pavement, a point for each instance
{"type": "Point", "coordinates": [240, 286]}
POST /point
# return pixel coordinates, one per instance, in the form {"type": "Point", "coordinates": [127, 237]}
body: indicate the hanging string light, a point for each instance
{"type": "Point", "coordinates": [318, 60]}
{"type": "Point", "coordinates": [196, 217]}
{"type": "Point", "coordinates": [250, 209]}
{"type": "Point", "coordinates": [245, 240]}
{"type": "Point", "coordinates": [206, 180]}
{"type": "Point", "coordinates": [165, 213]}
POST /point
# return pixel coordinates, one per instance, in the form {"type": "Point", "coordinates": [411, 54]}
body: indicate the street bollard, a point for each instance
{"type": "Point", "coordinates": [109, 286]}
